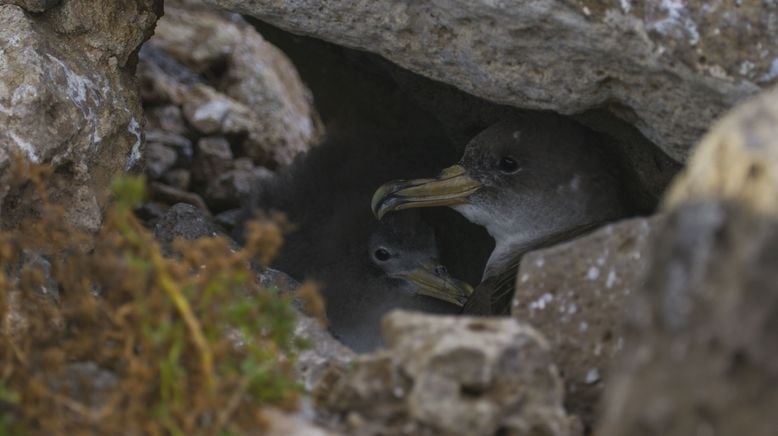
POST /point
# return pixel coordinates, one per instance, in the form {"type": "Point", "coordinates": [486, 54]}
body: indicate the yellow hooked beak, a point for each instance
{"type": "Point", "coordinates": [452, 186]}
{"type": "Point", "coordinates": [434, 282]}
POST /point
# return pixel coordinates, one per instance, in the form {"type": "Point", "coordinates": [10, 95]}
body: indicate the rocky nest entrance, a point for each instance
{"type": "Point", "coordinates": [183, 311]}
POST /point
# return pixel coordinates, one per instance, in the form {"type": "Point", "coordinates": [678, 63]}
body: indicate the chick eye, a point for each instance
{"type": "Point", "coordinates": [508, 165]}
{"type": "Point", "coordinates": [382, 255]}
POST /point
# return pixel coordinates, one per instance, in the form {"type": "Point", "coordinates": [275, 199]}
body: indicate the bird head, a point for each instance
{"type": "Point", "coordinates": [521, 179]}
{"type": "Point", "coordinates": [403, 249]}
{"type": "Point", "coordinates": [396, 269]}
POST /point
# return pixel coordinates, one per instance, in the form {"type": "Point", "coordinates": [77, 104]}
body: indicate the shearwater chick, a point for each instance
{"type": "Point", "coordinates": [531, 182]}
{"type": "Point", "coordinates": [398, 268]}
{"type": "Point", "coordinates": [366, 267]}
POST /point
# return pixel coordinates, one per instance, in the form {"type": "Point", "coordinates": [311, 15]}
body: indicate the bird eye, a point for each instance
{"type": "Point", "coordinates": [382, 255]}
{"type": "Point", "coordinates": [508, 165]}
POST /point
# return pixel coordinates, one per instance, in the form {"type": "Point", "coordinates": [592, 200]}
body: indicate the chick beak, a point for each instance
{"type": "Point", "coordinates": [432, 280]}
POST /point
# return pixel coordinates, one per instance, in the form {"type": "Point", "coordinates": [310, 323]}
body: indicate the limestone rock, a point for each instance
{"type": "Point", "coordinates": [178, 178]}
{"type": "Point", "coordinates": [325, 352]}
{"type": "Point", "coordinates": [253, 89]}
{"type": "Point", "coordinates": [28, 312]}
{"type": "Point", "coordinates": [159, 159]}
{"type": "Point", "coordinates": [32, 5]}
{"type": "Point", "coordinates": [450, 375]}
{"type": "Point", "coordinates": [737, 160]}
{"type": "Point", "coordinates": [211, 112]}
{"type": "Point", "coordinates": [281, 424]}
{"type": "Point", "coordinates": [700, 355]}
{"type": "Point", "coordinates": [180, 143]}
{"type": "Point", "coordinates": [213, 157]}
{"type": "Point", "coordinates": [229, 188]}
{"type": "Point", "coordinates": [30, 304]}
{"type": "Point", "coordinates": [574, 293]}
{"type": "Point", "coordinates": [669, 67]}
{"type": "Point", "coordinates": [185, 221]}
{"type": "Point", "coordinates": [167, 118]}
{"type": "Point", "coordinates": [230, 218]}
{"type": "Point", "coordinates": [163, 79]}
{"type": "Point", "coordinates": [150, 212]}
{"type": "Point", "coordinates": [68, 97]}
{"type": "Point", "coordinates": [170, 195]}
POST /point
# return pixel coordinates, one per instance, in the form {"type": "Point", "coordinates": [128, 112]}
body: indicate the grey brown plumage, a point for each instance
{"type": "Point", "coordinates": [530, 182]}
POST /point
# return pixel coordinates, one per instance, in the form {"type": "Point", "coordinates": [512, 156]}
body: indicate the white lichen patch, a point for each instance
{"type": "Point", "coordinates": [746, 67]}
{"type": "Point", "coordinates": [773, 73]}
{"type": "Point", "coordinates": [592, 376]}
{"type": "Point", "coordinates": [22, 93]}
{"type": "Point", "coordinates": [25, 147]}
{"type": "Point", "coordinates": [83, 92]}
{"type": "Point", "coordinates": [213, 110]}
{"type": "Point", "coordinates": [77, 85]}
{"type": "Point", "coordinates": [593, 273]}
{"type": "Point", "coordinates": [134, 156]}
{"type": "Point", "coordinates": [541, 302]}
{"type": "Point", "coordinates": [677, 22]}
{"type": "Point", "coordinates": [611, 280]}
{"type": "Point", "coordinates": [13, 41]}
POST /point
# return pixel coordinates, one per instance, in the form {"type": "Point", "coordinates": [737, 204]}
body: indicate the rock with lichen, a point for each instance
{"type": "Point", "coordinates": [229, 103]}
{"type": "Point", "coordinates": [68, 98]}
{"type": "Point", "coordinates": [449, 375]}
{"type": "Point", "coordinates": [669, 68]}
{"type": "Point", "coordinates": [238, 84]}
{"type": "Point", "coordinates": [700, 355]}
{"type": "Point", "coordinates": [575, 293]}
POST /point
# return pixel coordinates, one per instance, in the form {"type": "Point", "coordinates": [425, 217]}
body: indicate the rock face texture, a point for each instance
{"type": "Point", "coordinates": [68, 97]}
{"type": "Point", "coordinates": [700, 355]}
{"type": "Point", "coordinates": [450, 375]}
{"type": "Point", "coordinates": [668, 67]}
{"type": "Point", "coordinates": [737, 161]}
{"type": "Point", "coordinates": [281, 424]}
{"type": "Point", "coordinates": [239, 84]}
{"type": "Point", "coordinates": [575, 293]}
{"type": "Point", "coordinates": [224, 107]}
{"type": "Point", "coordinates": [325, 352]}
{"type": "Point", "coordinates": [184, 221]}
